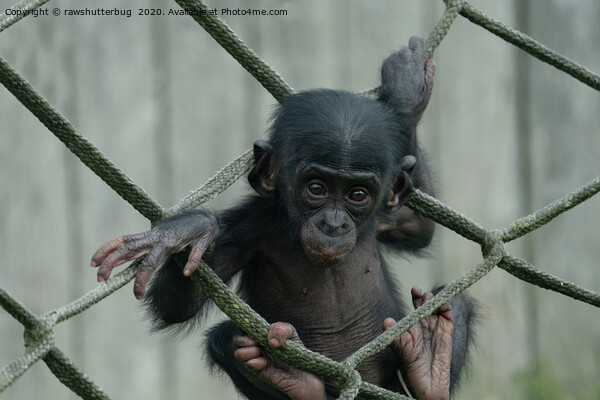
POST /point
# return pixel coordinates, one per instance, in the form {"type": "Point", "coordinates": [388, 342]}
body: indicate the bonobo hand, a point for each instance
{"type": "Point", "coordinates": [194, 231]}
{"type": "Point", "coordinates": [297, 384]}
{"type": "Point", "coordinates": [407, 78]}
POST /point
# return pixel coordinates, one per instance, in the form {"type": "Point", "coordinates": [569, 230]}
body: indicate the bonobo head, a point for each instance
{"type": "Point", "coordinates": [333, 159]}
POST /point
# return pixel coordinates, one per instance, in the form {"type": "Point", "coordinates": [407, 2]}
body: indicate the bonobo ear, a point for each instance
{"type": "Point", "coordinates": [403, 184]}
{"type": "Point", "coordinates": [262, 174]}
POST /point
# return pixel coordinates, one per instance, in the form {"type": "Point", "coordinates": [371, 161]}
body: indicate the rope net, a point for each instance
{"type": "Point", "coordinates": [39, 335]}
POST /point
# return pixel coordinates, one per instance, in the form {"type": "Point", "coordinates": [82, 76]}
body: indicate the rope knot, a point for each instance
{"type": "Point", "coordinates": [492, 243]}
{"type": "Point", "coordinates": [351, 385]}
{"type": "Point", "coordinates": [38, 334]}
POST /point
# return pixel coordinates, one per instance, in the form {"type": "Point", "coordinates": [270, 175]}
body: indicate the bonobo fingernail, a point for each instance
{"type": "Point", "coordinates": [273, 342]}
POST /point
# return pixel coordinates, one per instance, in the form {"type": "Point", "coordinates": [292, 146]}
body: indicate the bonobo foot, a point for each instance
{"type": "Point", "coordinates": [426, 350]}
{"type": "Point", "coordinates": [297, 384]}
{"type": "Point", "coordinates": [407, 79]}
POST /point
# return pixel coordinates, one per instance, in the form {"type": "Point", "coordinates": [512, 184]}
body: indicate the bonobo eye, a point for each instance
{"type": "Point", "coordinates": [316, 188]}
{"type": "Point", "coordinates": [358, 195]}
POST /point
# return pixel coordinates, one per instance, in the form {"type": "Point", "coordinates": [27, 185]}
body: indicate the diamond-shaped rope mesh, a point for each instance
{"type": "Point", "coordinates": [39, 335]}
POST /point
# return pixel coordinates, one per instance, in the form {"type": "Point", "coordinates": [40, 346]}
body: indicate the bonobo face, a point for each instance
{"type": "Point", "coordinates": [333, 206]}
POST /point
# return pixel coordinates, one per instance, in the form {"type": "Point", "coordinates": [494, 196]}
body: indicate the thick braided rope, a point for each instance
{"type": "Point", "coordinates": [528, 273]}
{"type": "Point", "coordinates": [261, 71]}
{"type": "Point", "coordinates": [68, 374]}
{"type": "Point", "coordinates": [509, 34]}
{"type": "Point", "coordinates": [227, 38]}
{"type": "Point", "coordinates": [442, 28]}
{"type": "Point", "coordinates": [39, 340]}
{"type": "Point", "coordinates": [13, 371]}
{"type": "Point", "coordinates": [531, 222]}
{"type": "Point", "coordinates": [23, 9]}
{"type": "Point", "coordinates": [437, 211]}
{"type": "Point", "coordinates": [215, 185]}
{"type": "Point", "coordinates": [350, 383]}
{"type": "Point", "coordinates": [530, 45]}
{"type": "Point", "coordinates": [79, 145]}
{"type": "Point", "coordinates": [18, 310]}
{"type": "Point", "coordinates": [370, 391]}
{"type": "Point", "coordinates": [97, 294]}
{"type": "Point", "coordinates": [442, 214]}
{"type": "Point", "coordinates": [351, 388]}
{"type": "Point", "coordinates": [39, 337]}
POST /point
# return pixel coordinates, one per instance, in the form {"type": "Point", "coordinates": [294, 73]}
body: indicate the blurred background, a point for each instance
{"type": "Point", "coordinates": [170, 107]}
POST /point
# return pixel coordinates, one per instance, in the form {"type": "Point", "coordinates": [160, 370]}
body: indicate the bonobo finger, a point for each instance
{"type": "Point", "coordinates": [146, 269]}
{"type": "Point", "coordinates": [247, 353]}
{"type": "Point", "coordinates": [127, 252]}
{"type": "Point", "coordinates": [196, 255]}
{"type": "Point", "coordinates": [141, 280]}
{"type": "Point", "coordinates": [244, 341]}
{"type": "Point", "coordinates": [418, 45]}
{"type": "Point", "coordinates": [105, 250]}
{"type": "Point", "coordinates": [429, 73]}
{"type": "Point", "coordinates": [388, 323]}
{"type": "Point", "coordinates": [397, 343]}
{"type": "Point", "coordinates": [429, 70]}
{"type": "Point", "coordinates": [143, 236]}
{"type": "Point", "coordinates": [279, 332]}
{"type": "Point", "coordinates": [199, 248]}
{"type": "Point", "coordinates": [416, 294]}
{"type": "Point", "coordinates": [193, 260]}
{"type": "Point", "coordinates": [445, 311]}
{"type": "Point", "coordinates": [257, 364]}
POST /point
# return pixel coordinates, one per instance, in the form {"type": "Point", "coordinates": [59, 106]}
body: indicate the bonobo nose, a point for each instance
{"type": "Point", "coordinates": [334, 222]}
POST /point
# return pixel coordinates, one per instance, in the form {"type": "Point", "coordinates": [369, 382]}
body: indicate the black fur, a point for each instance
{"type": "Point", "coordinates": [308, 245]}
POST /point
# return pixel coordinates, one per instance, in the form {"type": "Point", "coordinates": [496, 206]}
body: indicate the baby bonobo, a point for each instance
{"type": "Point", "coordinates": [330, 186]}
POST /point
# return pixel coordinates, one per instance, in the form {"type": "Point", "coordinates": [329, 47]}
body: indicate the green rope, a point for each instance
{"type": "Point", "coordinates": [21, 10]}
{"type": "Point", "coordinates": [39, 338]}
{"type": "Point", "coordinates": [95, 295]}
{"type": "Point", "coordinates": [351, 387]}
{"type": "Point", "coordinates": [531, 46]}
{"type": "Point", "coordinates": [437, 211]}
{"type": "Point", "coordinates": [442, 28]}
{"type": "Point", "coordinates": [446, 216]}
{"type": "Point", "coordinates": [79, 145]}
{"type": "Point", "coordinates": [215, 185]}
{"type": "Point", "coordinates": [528, 273]}
{"type": "Point", "coordinates": [13, 371]}
{"type": "Point", "coordinates": [227, 38]}
{"type": "Point", "coordinates": [530, 223]}
{"type": "Point", "coordinates": [18, 310]}
{"type": "Point", "coordinates": [70, 376]}
{"type": "Point", "coordinates": [370, 391]}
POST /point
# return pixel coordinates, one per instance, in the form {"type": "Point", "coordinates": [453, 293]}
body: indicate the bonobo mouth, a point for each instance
{"type": "Point", "coordinates": [325, 257]}
{"type": "Point", "coordinates": [327, 251]}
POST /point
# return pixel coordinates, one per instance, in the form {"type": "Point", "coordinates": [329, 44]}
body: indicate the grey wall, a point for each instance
{"type": "Point", "coordinates": [170, 107]}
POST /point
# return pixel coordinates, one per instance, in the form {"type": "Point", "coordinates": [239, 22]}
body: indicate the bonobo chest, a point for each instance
{"type": "Point", "coordinates": [335, 309]}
